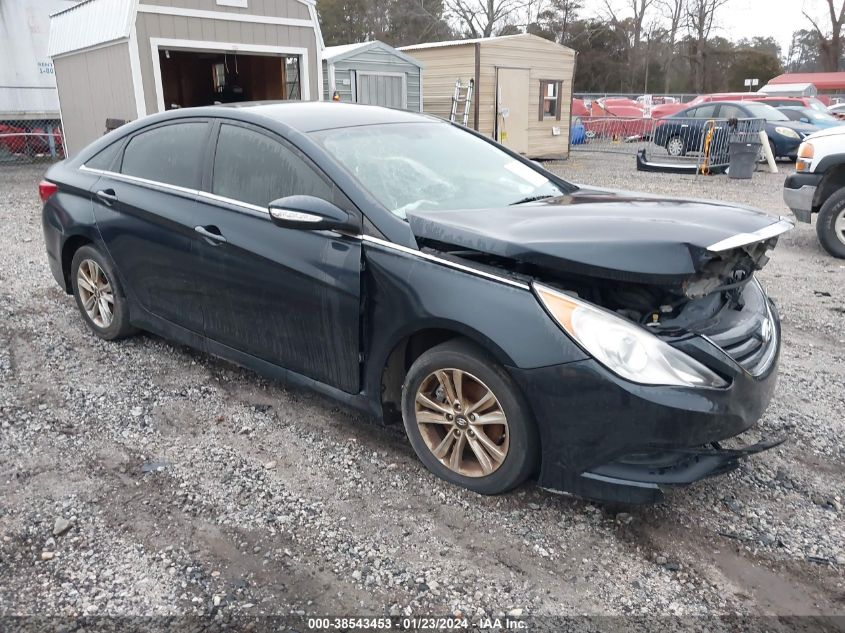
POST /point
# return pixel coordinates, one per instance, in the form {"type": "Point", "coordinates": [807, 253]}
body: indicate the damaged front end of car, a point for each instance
{"type": "Point", "coordinates": [662, 297]}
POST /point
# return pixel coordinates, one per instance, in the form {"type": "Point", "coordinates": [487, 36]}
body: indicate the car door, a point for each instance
{"type": "Point", "coordinates": [144, 208]}
{"type": "Point", "coordinates": [289, 297]}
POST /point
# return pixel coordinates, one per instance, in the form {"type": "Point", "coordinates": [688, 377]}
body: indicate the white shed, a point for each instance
{"type": "Point", "coordinates": [373, 73]}
{"type": "Point", "coordinates": [124, 59]}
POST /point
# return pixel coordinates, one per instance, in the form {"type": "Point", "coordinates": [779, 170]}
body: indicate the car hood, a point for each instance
{"type": "Point", "coordinates": [834, 130]}
{"type": "Point", "coordinates": [614, 235]}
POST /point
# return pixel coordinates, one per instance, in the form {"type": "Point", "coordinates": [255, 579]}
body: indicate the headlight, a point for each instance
{"type": "Point", "coordinates": [624, 348]}
{"type": "Point", "coordinates": [787, 132]}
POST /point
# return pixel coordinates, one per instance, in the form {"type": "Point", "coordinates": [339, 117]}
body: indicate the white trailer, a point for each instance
{"type": "Point", "coordinates": [27, 82]}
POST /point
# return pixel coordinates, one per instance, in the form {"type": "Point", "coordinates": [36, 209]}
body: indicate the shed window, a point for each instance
{"type": "Point", "coordinates": [550, 99]}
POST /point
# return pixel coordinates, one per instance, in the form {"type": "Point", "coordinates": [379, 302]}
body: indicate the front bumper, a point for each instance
{"type": "Point", "coordinates": [799, 193]}
{"type": "Point", "coordinates": [609, 439]}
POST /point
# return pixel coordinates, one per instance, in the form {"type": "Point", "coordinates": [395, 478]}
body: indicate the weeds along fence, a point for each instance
{"type": "Point", "coordinates": [669, 140]}
{"type": "Point", "coordinates": [30, 141]}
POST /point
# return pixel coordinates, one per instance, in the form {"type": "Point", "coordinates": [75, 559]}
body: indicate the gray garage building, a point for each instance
{"type": "Point", "coordinates": [124, 59]}
{"type": "Point", "coordinates": [373, 73]}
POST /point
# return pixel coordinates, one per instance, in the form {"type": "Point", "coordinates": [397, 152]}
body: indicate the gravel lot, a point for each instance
{"type": "Point", "coordinates": [142, 478]}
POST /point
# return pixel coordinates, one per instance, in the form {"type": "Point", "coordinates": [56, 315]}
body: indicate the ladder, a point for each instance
{"type": "Point", "coordinates": [463, 94]}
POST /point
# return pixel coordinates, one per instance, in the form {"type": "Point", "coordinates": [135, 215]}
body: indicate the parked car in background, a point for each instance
{"type": "Point", "coordinates": [818, 186]}
{"type": "Point", "coordinates": [684, 132]}
{"type": "Point", "coordinates": [838, 111]}
{"type": "Point", "coordinates": [803, 114]}
{"type": "Point", "coordinates": [807, 102]}
{"type": "Point", "coordinates": [514, 322]}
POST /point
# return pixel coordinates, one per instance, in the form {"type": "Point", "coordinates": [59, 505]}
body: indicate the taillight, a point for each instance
{"type": "Point", "coordinates": [46, 189]}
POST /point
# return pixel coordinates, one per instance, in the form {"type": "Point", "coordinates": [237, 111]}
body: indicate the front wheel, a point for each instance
{"type": "Point", "coordinates": [467, 421]}
{"type": "Point", "coordinates": [830, 225]}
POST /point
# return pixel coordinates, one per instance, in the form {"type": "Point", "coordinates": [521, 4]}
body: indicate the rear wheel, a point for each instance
{"type": "Point", "coordinates": [98, 294]}
{"type": "Point", "coordinates": [675, 146]}
{"type": "Point", "coordinates": [467, 421]}
{"type": "Point", "coordinates": [830, 225]}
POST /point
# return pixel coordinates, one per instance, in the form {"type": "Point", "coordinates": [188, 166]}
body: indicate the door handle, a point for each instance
{"type": "Point", "coordinates": [107, 196]}
{"type": "Point", "coordinates": [212, 237]}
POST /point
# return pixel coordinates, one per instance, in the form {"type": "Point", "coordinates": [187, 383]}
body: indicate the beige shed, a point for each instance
{"type": "Point", "coordinates": [522, 88]}
{"type": "Point", "coordinates": [124, 59]}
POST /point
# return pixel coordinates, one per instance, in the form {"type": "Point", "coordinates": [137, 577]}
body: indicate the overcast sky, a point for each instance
{"type": "Point", "coordinates": [749, 18]}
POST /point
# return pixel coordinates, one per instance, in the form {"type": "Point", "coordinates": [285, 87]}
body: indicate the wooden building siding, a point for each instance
{"type": "Point", "coordinates": [151, 25]}
{"type": "Point", "coordinates": [442, 67]}
{"type": "Point", "coordinates": [372, 60]}
{"type": "Point", "coordinates": [93, 87]}
{"type": "Point", "coordinates": [542, 58]}
{"type": "Point", "coordinates": [286, 8]}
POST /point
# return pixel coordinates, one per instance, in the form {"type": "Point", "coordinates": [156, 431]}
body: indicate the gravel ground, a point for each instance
{"type": "Point", "coordinates": [142, 478]}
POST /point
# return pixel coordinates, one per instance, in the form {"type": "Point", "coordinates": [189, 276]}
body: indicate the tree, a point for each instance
{"type": "Point", "coordinates": [758, 58]}
{"type": "Point", "coordinates": [481, 18]}
{"type": "Point", "coordinates": [804, 52]}
{"type": "Point", "coordinates": [673, 12]}
{"type": "Point", "coordinates": [554, 20]}
{"type": "Point", "coordinates": [700, 19]}
{"type": "Point", "coordinates": [630, 31]}
{"type": "Point", "coordinates": [830, 46]}
{"type": "Point", "coordinates": [417, 21]}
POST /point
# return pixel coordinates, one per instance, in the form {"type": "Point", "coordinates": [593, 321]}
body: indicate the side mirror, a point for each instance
{"type": "Point", "coordinates": [307, 213]}
{"type": "Point", "coordinates": [804, 119]}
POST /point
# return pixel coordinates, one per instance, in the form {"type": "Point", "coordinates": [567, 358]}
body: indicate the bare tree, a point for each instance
{"type": "Point", "coordinates": [830, 46]}
{"type": "Point", "coordinates": [700, 18]}
{"type": "Point", "coordinates": [673, 11]}
{"type": "Point", "coordinates": [631, 28]}
{"type": "Point", "coordinates": [480, 18]}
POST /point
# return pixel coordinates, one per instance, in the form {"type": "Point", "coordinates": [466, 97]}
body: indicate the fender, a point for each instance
{"type": "Point", "coordinates": [404, 293]}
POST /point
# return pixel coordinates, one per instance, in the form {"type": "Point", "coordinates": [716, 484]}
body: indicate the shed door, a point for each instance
{"type": "Point", "coordinates": [383, 89]}
{"type": "Point", "coordinates": [512, 108]}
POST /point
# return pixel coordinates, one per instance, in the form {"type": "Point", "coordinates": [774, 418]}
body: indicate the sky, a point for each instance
{"type": "Point", "coordinates": [750, 18]}
{"type": "Point", "coordinates": [775, 18]}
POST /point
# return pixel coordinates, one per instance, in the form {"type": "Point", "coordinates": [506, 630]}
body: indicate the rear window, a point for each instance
{"type": "Point", "coordinates": [105, 159]}
{"type": "Point", "coordinates": [169, 154]}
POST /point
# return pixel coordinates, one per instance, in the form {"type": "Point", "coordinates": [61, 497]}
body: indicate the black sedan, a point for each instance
{"type": "Point", "coordinates": [516, 323]}
{"type": "Point", "coordinates": [685, 131]}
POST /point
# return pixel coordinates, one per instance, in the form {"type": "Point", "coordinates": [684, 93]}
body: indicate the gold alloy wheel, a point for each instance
{"type": "Point", "coordinates": [96, 294]}
{"type": "Point", "coordinates": [462, 423]}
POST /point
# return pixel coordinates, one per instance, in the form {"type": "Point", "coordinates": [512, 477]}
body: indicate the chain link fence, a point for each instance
{"type": "Point", "coordinates": [24, 141]}
{"type": "Point", "coordinates": [669, 141]}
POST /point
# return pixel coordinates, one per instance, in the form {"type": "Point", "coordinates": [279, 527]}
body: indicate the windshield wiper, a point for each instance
{"type": "Point", "coordinates": [532, 199]}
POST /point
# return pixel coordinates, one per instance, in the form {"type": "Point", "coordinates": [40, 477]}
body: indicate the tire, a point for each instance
{"type": "Point", "coordinates": [676, 142]}
{"type": "Point", "coordinates": [515, 440]}
{"type": "Point", "coordinates": [830, 225]}
{"type": "Point", "coordinates": [96, 266]}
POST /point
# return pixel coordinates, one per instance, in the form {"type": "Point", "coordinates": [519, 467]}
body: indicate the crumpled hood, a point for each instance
{"type": "Point", "coordinates": [615, 235]}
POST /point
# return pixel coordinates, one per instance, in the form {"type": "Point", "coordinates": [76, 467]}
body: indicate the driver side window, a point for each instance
{"type": "Point", "coordinates": [254, 168]}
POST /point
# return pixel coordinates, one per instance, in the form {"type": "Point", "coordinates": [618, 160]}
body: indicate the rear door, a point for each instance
{"type": "Point", "coordinates": [145, 205]}
{"type": "Point", "coordinates": [289, 297]}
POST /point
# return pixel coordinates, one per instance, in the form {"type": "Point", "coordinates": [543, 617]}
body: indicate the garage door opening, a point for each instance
{"type": "Point", "coordinates": [194, 78]}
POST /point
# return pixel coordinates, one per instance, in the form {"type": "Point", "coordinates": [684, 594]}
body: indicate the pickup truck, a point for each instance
{"type": "Point", "coordinates": [818, 186]}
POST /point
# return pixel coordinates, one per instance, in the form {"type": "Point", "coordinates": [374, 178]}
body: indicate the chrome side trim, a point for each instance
{"type": "Point", "coordinates": [444, 262]}
{"type": "Point", "coordinates": [741, 239]}
{"type": "Point", "coordinates": [140, 181]}
{"type": "Point", "coordinates": [213, 197]}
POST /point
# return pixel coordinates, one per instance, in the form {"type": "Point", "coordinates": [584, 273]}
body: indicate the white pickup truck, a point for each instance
{"type": "Point", "coordinates": [818, 186]}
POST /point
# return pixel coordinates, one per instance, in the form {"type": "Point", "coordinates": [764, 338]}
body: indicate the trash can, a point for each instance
{"type": "Point", "coordinates": [743, 159]}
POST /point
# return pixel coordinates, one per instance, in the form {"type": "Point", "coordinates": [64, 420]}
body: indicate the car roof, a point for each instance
{"type": "Point", "coordinates": [309, 116]}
